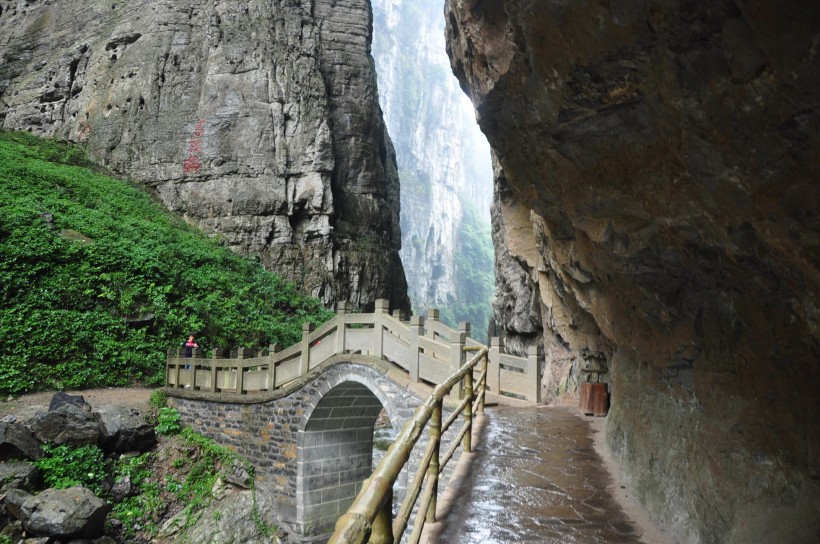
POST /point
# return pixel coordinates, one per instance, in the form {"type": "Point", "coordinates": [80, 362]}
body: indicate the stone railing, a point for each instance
{"type": "Point", "coordinates": [427, 349]}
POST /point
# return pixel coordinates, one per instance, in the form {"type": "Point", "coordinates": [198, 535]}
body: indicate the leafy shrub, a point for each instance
{"type": "Point", "coordinates": [140, 509]}
{"type": "Point", "coordinates": [68, 466]}
{"type": "Point", "coordinates": [97, 280]}
{"type": "Point", "coordinates": [157, 399]}
{"type": "Point", "coordinates": [168, 422]}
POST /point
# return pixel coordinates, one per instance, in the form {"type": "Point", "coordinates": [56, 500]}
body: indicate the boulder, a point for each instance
{"type": "Point", "coordinates": [101, 540]}
{"type": "Point", "coordinates": [61, 399]}
{"type": "Point", "coordinates": [235, 524]}
{"type": "Point", "coordinates": [123, 430]}
{"type": "Point", "coordinates": [13, 532]}
{"type": "Point", "coordinates": [14, 502]}
{"type": "Point", "coordinates": [66, 424]}
{"type": "Point", "coordinates": [65, 513]}
{"type": "Point", "coordinates": [237, 474]}
{"type": "Point", "coordinates": [123, 488]}
{"type": "Point", "coordinates": [17, 442]}
{"type": "Point", "coordinates": [18, 475]}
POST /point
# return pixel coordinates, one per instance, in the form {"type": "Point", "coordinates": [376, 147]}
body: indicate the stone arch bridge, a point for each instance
{"type": "Point", "coordinates": [305, 416]}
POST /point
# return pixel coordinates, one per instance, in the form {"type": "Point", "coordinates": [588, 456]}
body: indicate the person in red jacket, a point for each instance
{"type": "Point", "coordinates": [190, 345]}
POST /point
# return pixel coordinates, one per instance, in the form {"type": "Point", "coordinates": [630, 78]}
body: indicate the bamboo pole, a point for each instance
{"type": "Point", "coordinates": [400, 523]}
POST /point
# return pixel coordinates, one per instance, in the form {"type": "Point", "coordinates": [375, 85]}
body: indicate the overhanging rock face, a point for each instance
{"type": "Point", "coordinates": [658, 188]}
{"type": "Point", "coordinates": [257, 121]}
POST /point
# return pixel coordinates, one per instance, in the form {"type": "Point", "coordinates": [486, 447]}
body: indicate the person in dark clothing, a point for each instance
{"type": "Point", "coordinates": [190, 345]}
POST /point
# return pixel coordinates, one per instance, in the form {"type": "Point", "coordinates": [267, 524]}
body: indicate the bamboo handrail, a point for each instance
{"type": "Point", "coordinates": [357, 524]}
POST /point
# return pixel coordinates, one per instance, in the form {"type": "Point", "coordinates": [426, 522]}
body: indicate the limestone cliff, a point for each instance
{"type": "Point", "coordinates": [657, 217]}
{"type": "Point", "coordinates": [258, 121]}
{"type": "Point", "coordinates": [443, 159]}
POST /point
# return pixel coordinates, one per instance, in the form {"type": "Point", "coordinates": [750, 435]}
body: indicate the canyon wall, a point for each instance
{"type": "Point", "coordinates": [258, 121]}
{"type": "Point", "coordinates": [443, 159]}
{"type": "Point", "coordinates": [656, 219]}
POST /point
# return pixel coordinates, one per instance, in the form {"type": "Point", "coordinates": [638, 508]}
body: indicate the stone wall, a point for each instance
{"type": "Point", "coordinates": [657, 217]}
{"type": "Point", "coordinates": [313, 446]}
{"type": "Point", "coordinates": [258, 122]}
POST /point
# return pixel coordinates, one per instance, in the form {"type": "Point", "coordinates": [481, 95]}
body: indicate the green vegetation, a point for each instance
{"type": "Point", "coordinates": [97, 280]}
{"type": "Point", "coordinates": [185, 474]}
{"type": "Point", "coordinates": [68, 466]}
{"type": "Point", "coordinates": [168, 422]}
{"type": "Point", "coordinates": [473, 275]}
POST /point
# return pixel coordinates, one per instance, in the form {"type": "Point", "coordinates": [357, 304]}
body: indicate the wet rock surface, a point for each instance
{"type": "Point", "coordinates": [658, 188]}
{"type": "Point", "coordinates": [537, 478]}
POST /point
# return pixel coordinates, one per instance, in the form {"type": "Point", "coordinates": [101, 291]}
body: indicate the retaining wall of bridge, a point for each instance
{"type": "Point", "coordinates": [312, 443]}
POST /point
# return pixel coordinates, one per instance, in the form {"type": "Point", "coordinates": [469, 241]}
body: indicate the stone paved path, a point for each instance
{"type": "Point", "coordinates": [536, 478]}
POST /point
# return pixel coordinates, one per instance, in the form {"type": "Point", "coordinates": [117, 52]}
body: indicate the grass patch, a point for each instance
{"type": "Point", "coordinates": [97, 280]}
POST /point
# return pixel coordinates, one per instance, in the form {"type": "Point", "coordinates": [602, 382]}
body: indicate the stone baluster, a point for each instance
{"type": "Point", "coordinates": [432, 318]}
{"type": "Point", "coordinates": [240, 371]}
{"type": "Point", "coordinates": [272, 349]}
{"type": "Point", "coordinates": [382, 307]}
{"type": "Point", "coordinates": [178, 365]}
{"type": "Point", "coordinates": [456, 359]}
{"type": "Point", "coordinates": [217, 352]}
{"type": "Point", "coordinates": [304, 363]}
{"type": "Point", "coordinates": [416, 325]}
{"type": "Point", "coordinates": [534, 375]}
{"type": "Point", "coordinates": [341, 326]}
{"type": "Point", "coordinates": [494, 366]}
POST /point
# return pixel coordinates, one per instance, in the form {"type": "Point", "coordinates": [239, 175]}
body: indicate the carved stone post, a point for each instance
{"type": "Point", "coordinates": [533, 375]}
{"type": "Point", "coordinates": [214, 355]}
{"type": "Point", "coordinates": [382, 307]}
{"type": "Point", "coordinates": [456, 360]}
{"type": "Point", "coordinates": [272, 349]}
{"type": "Point", "coordinates": [494, 366]}
{"type": "Point", "coordinates": [432, 317]}
{"type": "Point", "coordinates": [240, 371]}
{"type": "Point", "coordinates": [341, 327]}
{"type": "Point", "coordinates": [416, 324]}
{"type": "Point", "coordinates": [304, 363]}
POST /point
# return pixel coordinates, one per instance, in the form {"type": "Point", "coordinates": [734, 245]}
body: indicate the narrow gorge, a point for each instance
{"type": "Point", "coordinates": [655, 196]}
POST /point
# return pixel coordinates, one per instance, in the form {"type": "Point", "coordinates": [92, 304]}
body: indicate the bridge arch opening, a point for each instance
{"type": "Point", "coordinates": [335, 453]}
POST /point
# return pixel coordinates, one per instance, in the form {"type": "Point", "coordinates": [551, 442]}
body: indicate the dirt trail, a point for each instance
{"type": "Point", "coordinates": [28, 405]}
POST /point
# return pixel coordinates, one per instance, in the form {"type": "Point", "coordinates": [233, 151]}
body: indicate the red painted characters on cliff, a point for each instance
{"type": "Point", "coordinates": [194, 161]}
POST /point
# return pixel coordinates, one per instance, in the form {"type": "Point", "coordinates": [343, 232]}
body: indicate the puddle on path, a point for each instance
{"type": "Point", "coordinates": [537, 479]}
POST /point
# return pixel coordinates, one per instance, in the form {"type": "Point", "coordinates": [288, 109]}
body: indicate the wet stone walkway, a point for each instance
{"type": "Point", "coordinates": [535, 477]}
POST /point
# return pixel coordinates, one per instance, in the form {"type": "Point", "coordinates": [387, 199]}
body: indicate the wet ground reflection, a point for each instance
{"type": "Point", "coordinates": [537, 478]}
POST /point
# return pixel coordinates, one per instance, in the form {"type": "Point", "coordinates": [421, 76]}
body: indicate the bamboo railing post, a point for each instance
{"type": "Point", "coordinates": [416, 324]}
{"type": "Point", "coordinates": [481, 394]}
{"type": "Point", "coordinates": [240, 371]}
{"type": "Point", "coordinates": [382, 306]}
{"type": "Point", "coordinates": [494, 366]}
{"type": "Point", "coordinates": [381, 530]}
{"type": "Point", "coordinates": [304, 361]}
{"type": "Point", "coordinates": [341, 327]}
{"type": "Point", "coordinates": [433, 468]}
{"type": "Point", "coordinates": [214, 356]}
{"type": "Point", "coordinates": [468, 412]}
{"type": "Point", "coordinates": [534, 374]}
{"type": "Point", "coordinates": [272, 349]}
